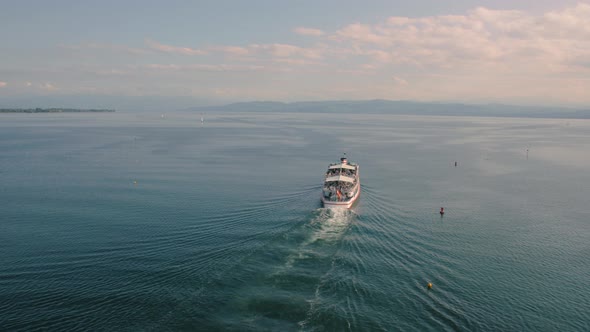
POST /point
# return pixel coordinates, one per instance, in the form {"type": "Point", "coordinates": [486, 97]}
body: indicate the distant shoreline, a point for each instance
{"type": "Point", "coordinates": [401, 107]}
{"type": "Point", "coordinates": [53, 110]}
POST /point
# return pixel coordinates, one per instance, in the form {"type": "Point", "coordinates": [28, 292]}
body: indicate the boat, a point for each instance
{"type": "Point", "coordinates": [342, 186]}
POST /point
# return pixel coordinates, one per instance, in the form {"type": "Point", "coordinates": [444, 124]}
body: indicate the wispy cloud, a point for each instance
{"type": "Point", "coordinates": [481, 37]}
{"type": "Point", "coordinates": [48, 87]}
{"type": "Point", "coordinates": [286, 50]}
{"type": "Point", "coordinates": [110, 72]}
{"type": "Point", "coordinates": [203, 67]}
{"type": "Point", "coordinates": [154, 45]}
{"type": "Point", "coordinates": [482, 54]}
{"type": "Point", "coordinates": [103, 46]}
{"type": "Point", "coordinates": [297, 62]}
{"type": "Point", "coordinates": [230, 50]}
{"type": "Point", "coordinates": [308, 31]}
{"type": "Point", "coordinates": [400, 81]}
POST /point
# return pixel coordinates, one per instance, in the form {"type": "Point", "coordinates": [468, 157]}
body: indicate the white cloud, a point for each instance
{"type": "Point", "coordinates": [399, 81]}
{"type": "Point", "coordinates": [296, 61]}
{"type": "Point", "coordinates": [286, 50]}
{"type": "Point", "coordinates": [482, 54]}
{"type": "Point", "coordinates": [363, 33]}
{"type": "Point", "coordinates": [110, 72]}
{"type": "Point", "coordinates": [48, 87]}
{"type": "Point", "coordinates": [28, 84]}
{"type": "Point", "coordinates": [203, 67]}
{"type": "Point", "coordinates": [173, 49]}
{"type": "Point", "coordinates": [3, 84]}
{"type": "Point", "coordinates": [482, 37]}
{"type": "Point", "coordinates": [231, 50]}
{"type": "Point", "coordinates": [308, 31]}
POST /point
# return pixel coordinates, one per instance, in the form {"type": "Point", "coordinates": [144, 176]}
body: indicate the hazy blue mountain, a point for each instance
{"type": "Point", "coordinates": [377, 106]}
{"type": "Point", "coordinates": [402, 108]}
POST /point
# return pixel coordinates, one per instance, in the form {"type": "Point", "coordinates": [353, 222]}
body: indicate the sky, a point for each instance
{"type": "Point", "coordinates": [95, 53]}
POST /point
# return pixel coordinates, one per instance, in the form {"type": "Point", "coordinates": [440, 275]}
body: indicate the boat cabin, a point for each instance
{"type": "Point", "coordinates": [340, 181]}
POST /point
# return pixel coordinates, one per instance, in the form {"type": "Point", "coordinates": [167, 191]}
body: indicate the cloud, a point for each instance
{"type": "Point", "coordinates": [485, 53]}
{"type": "Point", "coordinates": [173, 49]}
{"type": "Point", "coordinates": [110, 72]}
{"type": "Point", "coordinates": [363, 33]}
{"type": "Point", "coordinates": [278, 50]}
{"type": "Point", "coordinates": [103, 46]}
{"type": "Point", "coordinates": [3, 84]}
{"type": "Point", "coordinates": [48, 87]}
{"type": "Point", "coordinates": [296, 62]}
{"type": "Point", "coordinates": [399, 81]}
{"type": "Point", "coordinates": [482, 37]}
{"type": "Point", "coordinates": [230, 50]}
{"type": "Point", "coordinates": [308, 31]}
{"type": "Point", "coordinates": [28, 84]}
{"type": "Point", "coordinates": [203, 67]}
{"type": "Point", "coordinates": [482, 54]}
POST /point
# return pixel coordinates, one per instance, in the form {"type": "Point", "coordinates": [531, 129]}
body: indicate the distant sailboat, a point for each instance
{"type": "Point", "coordinates": [202, 118]}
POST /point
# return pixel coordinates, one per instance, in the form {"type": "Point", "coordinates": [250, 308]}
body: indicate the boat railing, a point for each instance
{"type": "Point", "coordinates": [347, 174]}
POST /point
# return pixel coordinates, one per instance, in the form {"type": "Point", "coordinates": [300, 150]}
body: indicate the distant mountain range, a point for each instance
{"type": "Point", "coordinates": [401, 108]}
{"type": "Point", "coordinates": [378, 106]}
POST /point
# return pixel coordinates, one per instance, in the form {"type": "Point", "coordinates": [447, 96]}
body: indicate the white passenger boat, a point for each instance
{"type": "Point", "coordinates": [342, 185]}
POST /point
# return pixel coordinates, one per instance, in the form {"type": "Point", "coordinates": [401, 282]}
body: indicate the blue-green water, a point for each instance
{"type": "Point", "coordinates": [133, 222]}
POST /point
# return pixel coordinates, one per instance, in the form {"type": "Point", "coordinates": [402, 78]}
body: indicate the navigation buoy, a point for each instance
{"type": "Point", "coordinates": [429, 285]}
{"type": "Point", "coordinates": [442, 211]}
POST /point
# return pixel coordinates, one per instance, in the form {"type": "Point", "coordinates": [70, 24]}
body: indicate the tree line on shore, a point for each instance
{"type": "Point", "coordinates": [51, 110]}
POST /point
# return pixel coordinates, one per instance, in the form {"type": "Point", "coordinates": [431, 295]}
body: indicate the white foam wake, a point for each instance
{"type": "Point", "coordinates": [330, 225]}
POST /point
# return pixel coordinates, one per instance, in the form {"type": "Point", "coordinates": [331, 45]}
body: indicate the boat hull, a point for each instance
{"type": "Point", "coordinates": [342, 205]}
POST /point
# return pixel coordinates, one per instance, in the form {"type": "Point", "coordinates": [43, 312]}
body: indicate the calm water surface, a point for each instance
{"type": "Point", "coordinates": [130, 221]}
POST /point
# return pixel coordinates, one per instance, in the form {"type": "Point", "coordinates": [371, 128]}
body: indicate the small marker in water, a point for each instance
{"type": "Point", "coordinates": [134, 182]}
{"type": "Point", "coordinates": [442, 211]}
{"type": "Point", "coordinates": [429, 285]}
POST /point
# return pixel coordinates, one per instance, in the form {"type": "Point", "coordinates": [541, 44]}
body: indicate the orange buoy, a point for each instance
{"type": "Point", "coordinates": [429, 285]}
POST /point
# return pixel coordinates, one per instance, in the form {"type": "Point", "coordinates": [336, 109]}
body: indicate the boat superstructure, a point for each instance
{"type": "Point", "coordinates": [342, 185]}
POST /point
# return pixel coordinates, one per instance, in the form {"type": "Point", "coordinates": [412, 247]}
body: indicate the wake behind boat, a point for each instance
{"type": "Point", "coordinates": [342, 185]}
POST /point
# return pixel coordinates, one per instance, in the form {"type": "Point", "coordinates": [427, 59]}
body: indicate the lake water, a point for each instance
{"type": "Point", "coordinates": [131, 221]}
